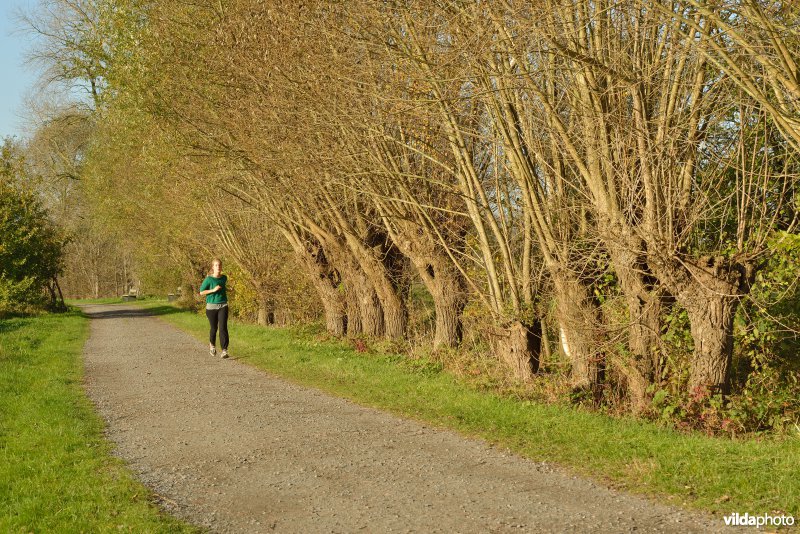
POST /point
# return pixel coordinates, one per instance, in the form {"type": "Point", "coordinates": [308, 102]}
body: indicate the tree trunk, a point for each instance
{"type": "Point", "coordinates": [354, 325]}
{"type": "Point", "coordinates": [324, 278]}
{"type": "Point", "coordinates": [448, 306]}
{"type": "Point", "coordinates": [370, 311]}
{"type": "Point", "coordinates": [261, 316]}
{"type": "Point", "coordinates": [335, 321]}
{"type": "Point", "coordinates": [60, 294]}
{"type": "Point", "coordinates": [519, 347]}
{"type": "Point", "coordinates": [395, 318]}
{"type": "Point", "coordinates": [332, 302]}
{"type": "Point", "coordinates": [266, 313]}
{"type": "Point", "coordinates": [377, 271]}
{"type": "Point", "coordinates": [709, 288]}
{"type": "Point", "coordinates": [52, 290]}
{"type": "Point", "coordinates": [643, 297]}
{"type": "Point", "coordinates": [643, 341]}
{"type": "Point", "coordinates": [364, 311]}
{"type": "Point", "coordinates": [546, 355]}
{"type": "Point", "coordinates": [361, 294]}
{"type": "Point", "coordinates": [578, 318]}
{"type": "Point", "coordinates": [449, 298]}
{"type": "Point", "coordinates": [442, 280]}
{"type": "Point", "coordinates": [711, 325]}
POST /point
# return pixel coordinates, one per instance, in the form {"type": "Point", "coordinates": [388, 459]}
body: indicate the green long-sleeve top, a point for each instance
{"type": "Point", "coordinates": [218, 297]}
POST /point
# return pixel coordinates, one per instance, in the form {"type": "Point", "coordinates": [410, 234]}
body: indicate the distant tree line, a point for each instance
{"type": "Point", "coordinates": [600, 190]}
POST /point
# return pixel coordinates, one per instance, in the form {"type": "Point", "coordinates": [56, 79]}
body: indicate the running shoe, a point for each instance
{"type": "Point", "coordinates": [213, 351]}
{"type": "Point", "coordinates": [224, 353]}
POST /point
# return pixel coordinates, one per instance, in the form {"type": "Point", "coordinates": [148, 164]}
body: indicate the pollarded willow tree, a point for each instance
{"type": "Point", "coordinates": [652, 134]}
{"type": "Point", "coordinates": [616, 104]}
{"type": "Point", "coordinates": [218, 119]}
{"type": "Point", "coordinates": [487, 236]}
{"type": "Point", "coordinates": [616, 162]}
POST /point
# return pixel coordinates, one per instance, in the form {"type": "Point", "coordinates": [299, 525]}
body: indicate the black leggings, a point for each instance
{"type": "Point", "coordinates": [218, 317]}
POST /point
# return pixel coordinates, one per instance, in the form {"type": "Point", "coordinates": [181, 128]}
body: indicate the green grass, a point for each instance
{"type": "Point", "coordinates": [56, 469]}
{"type": "Point", "coordinates": [716, 474]}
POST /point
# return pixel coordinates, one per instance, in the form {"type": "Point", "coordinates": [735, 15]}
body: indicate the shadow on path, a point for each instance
{"type": "Point", "coordinates": [97, 312]}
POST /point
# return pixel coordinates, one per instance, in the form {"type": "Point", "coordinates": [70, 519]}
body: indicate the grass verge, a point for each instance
{"type": "Point", "coordinates": [714, 474]}
{"type": "Point", "coordinates": [56, 469]}
{"type": "Point", "coordinates": [110, 300]}
{"type": "Point", "coordinates": [104, 300]}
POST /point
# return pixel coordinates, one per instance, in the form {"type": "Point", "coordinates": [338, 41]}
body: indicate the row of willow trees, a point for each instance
{"type": "Point", "coordinates": [566, 176]}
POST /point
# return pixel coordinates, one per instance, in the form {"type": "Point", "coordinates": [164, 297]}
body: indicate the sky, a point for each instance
{"type": "Point", "coordinates": [16, 79]}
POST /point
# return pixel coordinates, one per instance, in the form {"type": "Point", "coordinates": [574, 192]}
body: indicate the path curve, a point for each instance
{"type": "Point", "coordinates": [231, 448]}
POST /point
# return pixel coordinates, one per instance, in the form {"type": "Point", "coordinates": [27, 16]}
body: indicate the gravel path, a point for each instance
{"type": "Point", "coordinates": [234, 449]}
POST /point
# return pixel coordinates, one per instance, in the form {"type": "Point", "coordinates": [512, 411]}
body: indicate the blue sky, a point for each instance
{"type": "Point", "coordinates": [17, 78]}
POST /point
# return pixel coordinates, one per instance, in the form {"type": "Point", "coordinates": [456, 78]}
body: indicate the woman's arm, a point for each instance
{"type": "Point", "coordinates": [208, 291]}
{"type": "Point", "coordinates": [204, 287]}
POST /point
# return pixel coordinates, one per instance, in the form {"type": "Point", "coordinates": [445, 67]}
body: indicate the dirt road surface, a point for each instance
{"type": "Point", "coordinates": [233, 449]}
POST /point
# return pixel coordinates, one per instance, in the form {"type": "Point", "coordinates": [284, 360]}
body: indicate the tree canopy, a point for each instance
{"type": "Point", "coordinates": [31, 246]}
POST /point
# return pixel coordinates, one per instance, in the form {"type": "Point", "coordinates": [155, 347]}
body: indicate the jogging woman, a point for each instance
{"type": "Point", "coordinates": [213, 288]}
